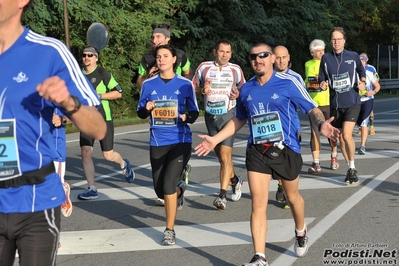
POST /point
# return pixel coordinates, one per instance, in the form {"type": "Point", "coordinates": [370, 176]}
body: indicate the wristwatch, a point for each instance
{"type": "Point", "coordinates": [78, 104]}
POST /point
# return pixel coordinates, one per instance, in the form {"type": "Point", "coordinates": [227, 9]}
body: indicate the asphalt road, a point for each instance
{"type": "Point", "coordinates": [347, 225]}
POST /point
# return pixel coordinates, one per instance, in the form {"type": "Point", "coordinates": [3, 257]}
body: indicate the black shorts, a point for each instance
{"type": "Point", "coordinates": [215, 123]}
{"type": "Point", "coordinates": [167, 164]}
{"type": "Point", "coordinates": [287, 165]}
{"type": "Point", "coordinates": [35, 236]}
{"type": "Point", "coordinates": [107, 143]}
{"type": "Point", "coordinates": [342, 115]}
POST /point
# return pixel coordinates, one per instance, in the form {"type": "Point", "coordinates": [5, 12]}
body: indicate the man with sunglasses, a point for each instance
{"type": "Point", "coordinates": [107, 89]}
{"type": "Point", "coordinates": [342, 71]}
{"type": "Point", "coordinates": [268, 103]}
{"type": "Point", "coordinates": [47, 77]}
{"type": "Point", "coordinates": [218, 81]}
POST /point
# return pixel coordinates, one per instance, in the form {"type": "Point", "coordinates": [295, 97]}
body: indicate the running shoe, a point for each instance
{"type": "Point", "coordinates": [184, 175]}
{"type": "Point", "coordinates": [128, 171]}
{"type": "Point", "coordinates": [66, 207]}
{"type": "Point", "coordinates": [257, 261]}
{"type": "Point", "coordinates": [351, 177]}
{"type": "Point", "coordinates": [169, 237]}
{"type": "Point", "coordinates": [362, 150]}
{"type": "Point", "coordinates": [301, 245]}
{"type": "Point", "coordinates": [236, 188]}
{"type": "Point", "coordinates": [334, 163]}
{"type": "Point", "coordinates": [359, 132]}
{"type": "Point", "coordinates": [314, 168]}
{"type": "Point", "coordinates": [280, 197]}
{"type": "Point", "coordinates": [220, 203]}
{"type": "Point", "coordinates": [286, 206]}
{"type": "Point", "coordinates": [88, 194]}
{"type": "Point", "coordinates": [180, 199]}
{"type": "Point", "coordinates": [160, 202]}
{"type": "Point", "coordinates": [372, 130]}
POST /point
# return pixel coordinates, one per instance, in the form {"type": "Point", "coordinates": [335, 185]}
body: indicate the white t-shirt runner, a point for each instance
{"type": "Point", "coordinates": [224, 81]}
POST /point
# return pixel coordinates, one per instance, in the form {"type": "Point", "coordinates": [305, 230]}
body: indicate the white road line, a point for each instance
{"type": "Point", "coordinates": [149, 238]}
{"type": "Point", "coordinates": [196, 190]}
{"type": "Point", "coordinates": [210, 161]}
{"type": "Point", "coordinates": [288, 257]}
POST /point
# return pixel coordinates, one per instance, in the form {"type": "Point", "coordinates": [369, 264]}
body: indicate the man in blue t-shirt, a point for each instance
{"type": "Point", "coordinates": [46, 77]}
{"type": "Point", "coordinates": [268, 103]}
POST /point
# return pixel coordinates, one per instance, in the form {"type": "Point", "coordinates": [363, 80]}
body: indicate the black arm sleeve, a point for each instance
{"type": "Point", "coordinates": [143, 113]}
{"type": "Point", "coordinates": [191, 117]}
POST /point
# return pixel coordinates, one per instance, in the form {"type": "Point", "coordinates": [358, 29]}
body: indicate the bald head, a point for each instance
{"type": "Point", "coordinates": [282, 58]}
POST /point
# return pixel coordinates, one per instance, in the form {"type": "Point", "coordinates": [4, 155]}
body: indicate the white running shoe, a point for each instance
{"type": "Point", "coordinates": [237, 189]}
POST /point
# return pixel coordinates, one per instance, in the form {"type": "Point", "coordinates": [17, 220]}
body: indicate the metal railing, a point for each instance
{"type": "Point", "coordinates": [388, 84]}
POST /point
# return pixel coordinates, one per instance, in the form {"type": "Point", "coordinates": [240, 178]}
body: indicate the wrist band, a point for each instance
{"type": "Point", "coordinates": [78, 104]}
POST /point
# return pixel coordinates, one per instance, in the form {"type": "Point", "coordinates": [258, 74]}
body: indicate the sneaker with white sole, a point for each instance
{"type": "Point", "coordinates": [301, 245]}
{"type": "Point", "coordinates": [169, 237]}
{"type": "Point", "coordinates": [89, 194]}
{"type": "Point", "coordinates": [128, 171]}
{"type": "Point", "coordinates": [66, 207]}
{"type": "Point", "coordinates": [334, 163]}
{"type": "Point", "coordinates": [314, 168]}
{"type": "Point", "coordinates": [220, 203]}
{"type": "Point", "coordinates": [236, 188]}
{"type": "Point", "coordinates": [180, 199]}
{"type": "Point", "coordinates": [257, 260]}
{"type": "Point", "coordinates": [160, 202]}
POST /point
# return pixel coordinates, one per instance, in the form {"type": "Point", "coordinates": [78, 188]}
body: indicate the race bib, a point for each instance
{"type": "Point", "coordinates": [266, 128]}
{"type": "Point", "coordinates": [341, 82]}
{"type": "Point", "coordinates": [313, 84]}
{"type": "Point", "coordinates": [165, 113]}
{"type": "Point", "coordinates": [9, 163]}
{"type": "Point", "coordinates": [216, 108]}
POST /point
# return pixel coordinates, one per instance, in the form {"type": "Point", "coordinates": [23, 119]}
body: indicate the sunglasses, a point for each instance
{"type": "Point", "coordinates": [88, 55]}
{"type": "Point", "coordinates": [260, 55]}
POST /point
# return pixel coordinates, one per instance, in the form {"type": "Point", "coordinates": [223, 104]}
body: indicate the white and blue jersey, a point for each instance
{"type": "Point", "coordinates": [273, 106]}
{"type": "Point", "coordinates": [172, 99]}
{"type": "Point", "coordinates": [26, 139]}
{"type": "Point", "coordinates": [342, 71]}
{"type": "Point", "coordinates": [370, 80]}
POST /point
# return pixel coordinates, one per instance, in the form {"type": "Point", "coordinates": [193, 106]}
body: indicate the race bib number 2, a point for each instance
{"type": "Point", "coordinates": [266, 128]}
{"type": "Point", "coordinates": [165, 113]}
{"type": "Point", "coordinates": [9, 164]}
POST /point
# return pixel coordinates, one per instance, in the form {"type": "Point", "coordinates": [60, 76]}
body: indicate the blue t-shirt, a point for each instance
{"type": "Point", "coordinates": [175, 97]}
{"type": "Point", "coordinates": [27, 142]}
{"type": "Point", "coordinates": [280, 95]}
